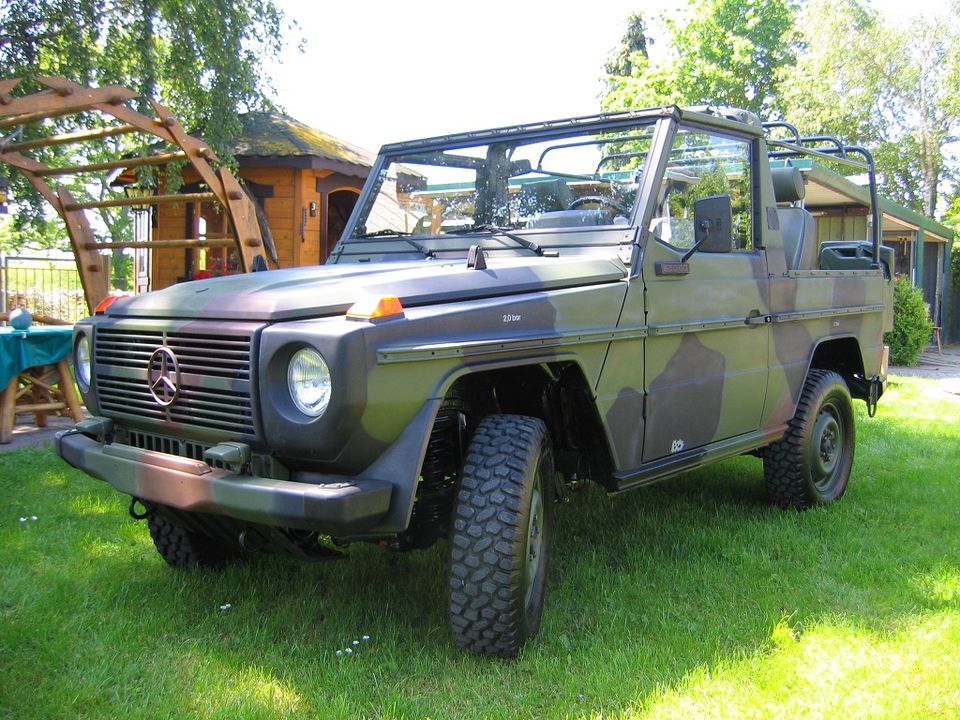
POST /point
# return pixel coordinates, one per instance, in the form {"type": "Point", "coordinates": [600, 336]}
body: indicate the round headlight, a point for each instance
{"type": "Point", "coordinates": [81, 362]}
{"type": "Point", "coordinates": [308, 378]}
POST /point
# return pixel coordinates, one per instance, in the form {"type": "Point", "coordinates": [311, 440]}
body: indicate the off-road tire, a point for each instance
{"type": "Point", "coordinates": [500, 535]}
{"type": "Point", "coordinates": [184, 548]}
{"type": "Point", "coordinates": [810, 465]}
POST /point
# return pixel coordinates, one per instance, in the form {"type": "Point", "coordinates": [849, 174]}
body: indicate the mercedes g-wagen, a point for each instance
{"type": "Point", "coordinates": [617, 298]}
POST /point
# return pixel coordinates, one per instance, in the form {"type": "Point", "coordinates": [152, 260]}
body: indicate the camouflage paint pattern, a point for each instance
{"type": "Point", "coordinates": [683, 369]}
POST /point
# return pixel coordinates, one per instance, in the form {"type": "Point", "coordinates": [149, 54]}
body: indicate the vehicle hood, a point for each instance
{"type": "Point", "coordinates": [308, 292]}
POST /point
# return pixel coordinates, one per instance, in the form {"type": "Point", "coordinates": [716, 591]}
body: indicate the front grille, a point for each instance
{"type": "Point", "coordinates": [166, 445]}
{"type": "Point", "coordinates": [260, 465]}
{"type": "Point", "coordinates": [214, 391]}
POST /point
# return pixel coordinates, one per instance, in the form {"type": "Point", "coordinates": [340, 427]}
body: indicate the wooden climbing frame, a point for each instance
{"type": "Point", "coordinates": [68, 98]}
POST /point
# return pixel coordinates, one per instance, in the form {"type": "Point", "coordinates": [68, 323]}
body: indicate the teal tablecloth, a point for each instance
{"type": "Point", "coordinates": [38, 345]}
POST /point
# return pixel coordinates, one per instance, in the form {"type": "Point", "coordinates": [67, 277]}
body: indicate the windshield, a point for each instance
{"type": "Point", "coordinates": [573, 182]}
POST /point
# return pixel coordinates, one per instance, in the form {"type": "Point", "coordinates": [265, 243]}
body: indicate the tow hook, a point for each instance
{"type": "Point", "coordinates": [137, 515]}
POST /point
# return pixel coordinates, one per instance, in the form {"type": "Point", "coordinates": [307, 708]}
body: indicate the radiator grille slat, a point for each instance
{"type": "Point", "coordinates": [215, 389]}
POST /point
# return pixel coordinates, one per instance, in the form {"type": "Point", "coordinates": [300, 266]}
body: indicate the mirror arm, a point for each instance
{"type": "Point", "coordinates": [706, 226]}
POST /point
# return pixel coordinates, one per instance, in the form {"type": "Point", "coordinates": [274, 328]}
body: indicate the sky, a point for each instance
{"type": "Point", "coordinates": [376, 72]}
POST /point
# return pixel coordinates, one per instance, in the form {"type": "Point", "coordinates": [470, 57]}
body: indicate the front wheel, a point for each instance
{"type": "Point", "coordinates": [500, 536]}
{"type": "Point", "coordinates": [183, 547]}
{"type": "Point", "coordinates": [810, 465]}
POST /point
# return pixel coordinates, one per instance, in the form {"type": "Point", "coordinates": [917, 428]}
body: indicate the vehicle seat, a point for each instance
{"type": "Point", "coordinates": [543, 196]}
{"type": "Point", "coordinates": [797, 226]}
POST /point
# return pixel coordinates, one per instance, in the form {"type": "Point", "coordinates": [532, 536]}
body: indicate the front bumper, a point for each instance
{"type": "Point", "coordinates": [333, 505]}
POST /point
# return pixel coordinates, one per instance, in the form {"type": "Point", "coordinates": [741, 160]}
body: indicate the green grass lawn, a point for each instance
{"type": "Point", "coordinates": [689, 599]}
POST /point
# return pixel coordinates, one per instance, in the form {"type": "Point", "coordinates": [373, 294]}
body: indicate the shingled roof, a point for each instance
{"type": "Point", "coordinates": [272, 138]}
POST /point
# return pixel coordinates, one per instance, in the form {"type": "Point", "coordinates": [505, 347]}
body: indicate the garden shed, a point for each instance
{"type": "Point", "coordinates": [304, 181]}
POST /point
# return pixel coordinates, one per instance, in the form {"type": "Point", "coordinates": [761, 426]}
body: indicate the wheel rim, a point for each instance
{"type": "Point", "coordinates": [826, 447]}
{"type": "Point", "coordinates": [534, 542]}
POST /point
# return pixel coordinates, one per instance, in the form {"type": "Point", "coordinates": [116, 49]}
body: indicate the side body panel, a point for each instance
{"type": "Point", "coordinates": [706, 366]}
{"type": "Point", "coordinates": [813, 307]}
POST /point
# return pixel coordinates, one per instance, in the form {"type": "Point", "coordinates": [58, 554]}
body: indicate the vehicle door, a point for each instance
{"type": "Point", "coordinates": [706, 350]}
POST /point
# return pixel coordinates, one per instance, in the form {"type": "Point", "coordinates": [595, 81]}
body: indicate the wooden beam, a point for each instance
{"type": "Point", "coordinates": [39, 319]}
{"type": "Point", "coordinates": [189, 243]}
{"type": "Point", "coordinates": [243, 216]}
{"type": "Point", "coordinates": [152, 200]}
{"type": "Point", "coordinates": [55, 104]}
{"type": "Point", "coordinates": [74, 137]}
{"type": "Point", "coordinates": [163, 159]}
{"type": "Point", "coordinates": [68, 391]}
{"type": "Point", "coordinates": [92, 277]}
{"type": "Point", "coordinates": [193, 146]}
{"type": "Point", "coordinates": [7, 86]}
{"type": "Point", "coordinates": [22, 162]}
{"type": "Point", "coordinates": [95, 282]}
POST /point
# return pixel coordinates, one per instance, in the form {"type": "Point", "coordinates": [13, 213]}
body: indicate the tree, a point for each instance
{"type": "Point", "coordinates": [718, 52]}
{"type": "Point", "coordinates": [895, 89]}
{"type": "Point", "coordinates": [204, 59]}
{"type": "Point", "coordinates": [633, 47]}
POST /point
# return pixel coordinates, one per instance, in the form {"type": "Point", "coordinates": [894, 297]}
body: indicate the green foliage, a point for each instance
{"type": "Point", "coordinates": [719, 52]}
{"type": "Point", "coordinates": [828, 66]}
{"type": "Point", "coordinates": [894, 88]}
{"type": "Point", "coordinates": [633, 44]}
{"type": "Point", "coordinates": [204, 59]}
{"type": "Point", "coordinates": [44, 234]}
{"type": "Point", "coordinates": [121, 270]}
{"type": "Point", "coordinates": [953, 219]}
{"type": "Point", "coordinates": [911, 324]}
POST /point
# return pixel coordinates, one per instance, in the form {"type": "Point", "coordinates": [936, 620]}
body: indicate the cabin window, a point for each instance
{"type": "Point", "coordinates": [702, 165]}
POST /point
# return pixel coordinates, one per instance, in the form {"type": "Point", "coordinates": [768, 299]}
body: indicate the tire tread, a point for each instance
{"type": "Point", "coordinates": [783, 467]}
{"type": "Point", "coordinates": [486, 595]}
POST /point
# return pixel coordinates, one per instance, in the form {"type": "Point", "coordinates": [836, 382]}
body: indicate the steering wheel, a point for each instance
{"type": "Point", "coordinates": [600, 200]}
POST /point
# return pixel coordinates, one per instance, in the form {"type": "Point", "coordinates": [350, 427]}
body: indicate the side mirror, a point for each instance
{"type": "Point", "coordinates": [712, 225]}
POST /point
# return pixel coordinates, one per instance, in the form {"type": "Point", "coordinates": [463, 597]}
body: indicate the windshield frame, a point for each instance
{"type": "Point", "coordinates": [574, 127]}
{"type": "Point", "coordinates": [665, 122]}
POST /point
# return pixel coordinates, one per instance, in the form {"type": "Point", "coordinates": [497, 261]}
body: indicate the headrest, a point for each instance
{"type": "Point", "coordinates": [544, 196]}
{"type": "Point", "coordinates": [787, 184]}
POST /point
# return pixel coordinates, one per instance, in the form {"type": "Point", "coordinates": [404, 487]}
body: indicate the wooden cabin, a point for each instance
{"type": "Point", "coordinates": [305, 182]}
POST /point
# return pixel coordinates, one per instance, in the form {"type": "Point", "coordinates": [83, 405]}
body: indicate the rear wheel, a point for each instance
{"type": "Point", "coordinates": [186, 548]}
{"type": "Point", "coordinates": [500, 535]}
{"type": "Point", "coordinates": [811, 464]}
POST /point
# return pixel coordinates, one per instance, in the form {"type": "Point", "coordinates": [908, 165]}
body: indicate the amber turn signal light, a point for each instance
{"type": "Point", "coordinates": [375, 308]}
{"type": "Point", "coordinates": [109, 300]}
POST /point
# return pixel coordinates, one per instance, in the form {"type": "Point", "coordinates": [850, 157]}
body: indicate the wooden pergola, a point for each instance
{"type": "Point", "coordinates": [167, 142]}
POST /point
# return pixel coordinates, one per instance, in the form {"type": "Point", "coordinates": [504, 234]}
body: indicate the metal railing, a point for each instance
{"type": "Point", "coordinates": [43, 286]}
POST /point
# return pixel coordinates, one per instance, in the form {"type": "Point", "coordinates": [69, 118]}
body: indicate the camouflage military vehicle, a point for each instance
{"type": "Point", "coordinates": [618, 298]}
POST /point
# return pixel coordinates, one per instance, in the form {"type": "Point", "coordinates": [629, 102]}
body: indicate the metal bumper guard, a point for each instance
{"type": "Point", "coordinates": [337, 508]}
{"type": "Point", "coordinates": [336, 505]}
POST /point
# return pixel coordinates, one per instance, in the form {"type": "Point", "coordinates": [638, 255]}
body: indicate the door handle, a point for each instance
{"type": "Point", "coordinates": [755, 318]}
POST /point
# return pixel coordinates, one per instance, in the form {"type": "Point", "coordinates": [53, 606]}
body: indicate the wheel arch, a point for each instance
{"type": "Point", "coordinates": [844, 356]}
{"type": "Point", "coordinates": [557, 391]}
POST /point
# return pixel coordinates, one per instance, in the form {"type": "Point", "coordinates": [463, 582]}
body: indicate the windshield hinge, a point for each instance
{"type": "Point", "coordinates": [476, 258]}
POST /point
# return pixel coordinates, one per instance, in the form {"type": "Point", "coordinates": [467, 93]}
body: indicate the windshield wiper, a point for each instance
{"type": "Point", "coordinates": [401, 235]}
{"type": "Point", "coordinates": [504, 232]}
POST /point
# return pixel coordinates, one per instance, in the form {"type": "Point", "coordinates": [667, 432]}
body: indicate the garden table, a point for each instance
{"type": "Point", "coordinates": [35, 375]}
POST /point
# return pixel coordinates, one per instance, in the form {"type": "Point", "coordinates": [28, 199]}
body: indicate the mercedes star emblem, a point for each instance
{"type": "Point", "coordinates": [163, 376]}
